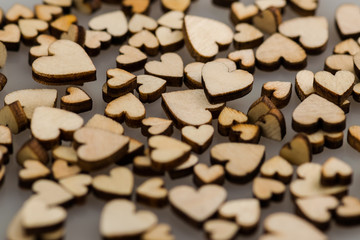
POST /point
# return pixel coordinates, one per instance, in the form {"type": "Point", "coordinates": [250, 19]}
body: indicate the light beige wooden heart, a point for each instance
{"type": "Point", "coordinates": [348, 46]}
{"type": "Point", "coordinates": [176, 5]}
{"type": "Point", "coordinates": [268, 20]}
{"type": "Point", "coordinates": [61, 169]}
{"type": "Point", "coordinates": [335, 171]}
{"type": "Point", "coordinates": [77, 185]}
{"type": "Point", "coordinates": [305, 7]}
{"type": "Point", "coordinates": [278, 92]}
{"type": "Point", "coordinates": [338, 62]}
{"type": "Point", "coordinates": [136, 6]}
{"type": "Point", "coordinates": [156, 126]}
{"type": "Point", "coordinates": [298, 150]}
{"type": "Point", "coordinates": [278, 168]}
{"type": "Point", "coordinates": [172, 19]}
{"type": "Point", "coordinates": [244, 58]}
{"type": "Point", "coordinates": [150, 88]}
{"type": "Point", "coordinates": [43, 49]}
{"type": "Point", "coordinates": [320, 139]}
{"type": "Point", "coordinates": [139, 22]}
{"type": "Point", "coordinates": [18, 11]}
{"type": "Point", "coordinates": [51, 192]}
{"type": "Point", "coordinates": [145, 40]}
{"type": "Point", "coordinates": [15, 230]}
{"type": "Point", "coordinates": [185, 168]}
{"type": "Point", "coordinates": [168, 39]}
{"type": "Point", "coordinates": [47, 12]}
{"type": "Point", "coordinates": [105, 123]}
{"type": "Point", "coordinates": [347, 18]}
{"type": "Point", "coordinates": [247, 133]}
{"type": "Point", "coordinates": [199, 138]}
{"type": "Point", "coordinates": [192, 73]}
{"type": "Point", "coordinates": [30, 28]}
{"type": "Point", "coordinates": [265, 4]}
{"type": "Point", "coordinates": [120, 81]}
{"type": "Point", "coordinates": [242, 13]}
{"type": "Point", "coordinates": [13, 116]}
{"type": "Point", "coordinates": [76, 100]}
{"type": "Point", "coordinates": [152, 192]}
{"type": "Point", "coordinates": [348, 210]}
{"type": "Point", "coordinates": [197, 205]}
{"type": "Point", "coordinates": [114, 23]}
{"type": "Point", "coordinates": [95, 40]}
{"type": "Point", "coordinates": [64, 153]}
{"type": "Point", "coordinates": [10, 36]}
{"type": "Point", "coordinates": [161, 231]}
{"type": "Point", "coordinates": [304, 84]}
{"type": "Point", "coordinates": [3, 55]}
{"type": "Point", "coordinates": [60, 3]}
{"type": "Point", "coordinates": [229, 117]}
{"type": "Point", "coordinates": [217, 229]}
{"type": "Point", "coordinates": [208, 175]}
{"type": "Point", "coordinates": [266, 189]}
{"type": "Point", "coordinates": [130, 58]}
{"type": "Point", "coordinates": [33, 170]}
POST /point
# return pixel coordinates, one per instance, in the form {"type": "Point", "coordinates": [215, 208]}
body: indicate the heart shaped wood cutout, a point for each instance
{"type": "Point", "coordinates": [199, 138]}
{"type": "Point", "coordinates": [208, 175]}
{"type": "Point", "coordinates": [349, 211]}
{"type": "Point", "coordinates": [336, 171]}
{"type": "Point", "coordinates": [242, 13]}
{"type": "Point", "coordinates": [277, 168]}
{"type": "Point", "coordinates": [305, 7]}
{"type": "Point", "coordinates": [51, 192]}
{"type": "Point", "coordinates": [298, 150]}
{"type": "Point", "coordinates": [348, 20]}
{"type": "Point", "coordinates": [266, 189]}
{"type": "Point", "coordinates": [220, 229]}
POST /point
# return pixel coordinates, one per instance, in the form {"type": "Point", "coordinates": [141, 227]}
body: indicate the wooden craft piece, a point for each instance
{"type": "Point", "coordinates": [335, 171]}
{"type": "Point", "coordinates": [3, 55]}
{"type": "Point", "coordinates": [279, 50]}
{"type": "Point", "coordinates": [65, 4]}
{"type": "Point", "coordinates": [172, 19]}
{"type": "Point", "coordinates": [128, 108]}
{"type": "Point", "coordinates": [62, 169]}
{"type": "Point", "coordinates": [5, 156]}
{"type": "Point", "coordinates": [105, 123]}
{"type": "Point", "coordinates": [246, 133]}
{"type": "Point", "coordinates": [169, 40]}
{"type": "Point", "coordinates": [120, 183]}
{"type": "Point", "coordinates": [357, 64]}
{"type": "Point", "coordinates": [136, 6]}
{"type": "Point", "coordinates": [349, 210]}
{"type": "Point", "coordinates": [48, 123]}
{"type": "Point", "coordinates": [304, 28]}
{"type": "Point", "coordinates": [317, 209]}
{"type": "Point", "coordinates": [136, 148]}
{"type": "Point", "coordinates": [119, 219]}
{"type": "Point", "coordinates": [51, 193]}
{"type": "Point", "coordinates": [320, 139]}
{"type": "Point", "coordinates": [170, 68]}
{"type": "Point", "coordinates": [156, 126]}
{"type": "Point", "coordinates": [230, 64]}
{"type": "Point", "coordinates": [42, 49]}
{"type": "Point", "coordinates": [142, 165]}
{"type": "Point", "coordinates": [62, 24]}
{"type": "Point", "coordinates": [139, 22]}
{"type": "Point", "coordinates": [246, 213]}
{"type": "Point", "coordinates": [348, 46]}
{"type": "Point", "coordinates": [192, 73]}
{"type": "Point", "coordinates": [120, 82]}
{"type": "Point", "coordinates": [77, 185]}
{"type": "Point", "coordinates": [6, 138]}
{"type": "Point", "coordinates": [75, 33]}
{"type": "Point", "coordinates": [32, 149]}
{"type": "Point", "coordinates": [353, 137]}
{"type": "Point", "coordinates": [217, 229]}
{"type": "Point", "coordinates": [265, 4]}
{"type": "Point", "coordinates": [146, 41]}
{"type": "Point", "coordinates": [185, 168]}
{"type": "Point", "coordinates": [304, 84]}
{"type": "Point", "coordinates": [3, 81]}
{"type": "Point", "coordinates": [167, 153]}
{"type": "Point", "coordinates": [15, 230]}
{"type": "Point", "coordinates": [131, 58]}
{"type": "Point", "coordinates": [242, 160]}
{"type": "Point", "coordinates": [150, 88]}
{"type": "Point", "coordinates": [242, 13]}
{"type": "Point", "coordinates": [198, 138]}
{"type": "Point", "coordinates": [208, 175]}
{"type": "Point", "coordinates": [86, 6]}
{"type": "Point", "coordinates": [259, 108]}
{"type": "Point", "coordinates": [309, 183]}
{"type": "Point", "coordinates": [18, 11]}
{"type": "Point", "coordinates": [316, 113]}
{"type": "Point", "coordinates": [37, 216]}
{"type": "Point", "coordinates": [277, 168]}
{"type": "Point", "coordinates": [62, 66]}
{"type": "Point", "coordinates": [347, 16]}
{"type": "Point", "coordinates": [272, 125]}
{"type": "Point", "coordinates": [10, 37]}
{"type": "Point", "coordinates": [187, 201]}
{"type": "Point", "coordinates": [33, 170]}
{"type": "Point", "coordinates": [64, 153]}
{"type": "Point", "coordinates": [204, 37]}
{"type": "Point", "coordinates": [268, 20]}
{"type": "Point", "coordinates": [298, 151]}
{"type": "Point", "coordinates": [278, 92]}
{"type": "Point", "coordinates": [30, 29]}
{"type": "Point", "coordinates": [161, 231]}
{"type": "Point", "coordinates": [245, 59]}
{"type": "Point", "coordinates": [98, 148]}
{"type": "Point", "coordinates": [338, 62]}
{"type": "Point", "coordinates": [176, 5]}
{"type": "Point", "coordinates": [47, 12]}
{"type": "Point", "coordinates": [190, 107]}
{"type": "Point", "coordinates": [283, 225]}
{"type": "Point", "coordinates": [304, 7]}
{"type": "Point", "coordinates": [114, 23]}
{"type": "Point", "coordinates": [13, 116]}
{"type": "Point", "coordinates": [238, 83]}
{"type": "Point", "coordinates": [76, 100]}
{"type": "Point", "coordinates": [266, 189]}
{"type": "Point", "coordinates": [229, 117]}
{"type": "Point", "coordinates": [152, 192]}
{"type": "Point", "coordinates": [96, 40]}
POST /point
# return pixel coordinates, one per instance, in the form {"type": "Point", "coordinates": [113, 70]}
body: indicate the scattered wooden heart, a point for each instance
{"type": "Point", "coordinates": [3, 55]}
{"type": "Point", "coordinates": [353, 137]}
{"type": "Point", "coordinates": [75, 33]}
{"type": "Point", "coordinates": [170, 68]}
{"type": "Point", "coordinates": [208, 175]}
{"type": "Point", "coordinates": [150, 88]}
{"type": "Point", "coordinates": [142, 165]}
{"type": "Point", "coordinates": [61, 169]}
{"type": "Point", "coordinates": [192, 73]}
{"type": "Point", "coordinates": [62, 66]}
{"type": "Point", "coordinates": [278, 92]}
{"type": "Point", "coordinates": [152, 192]}
{"type": "Point", "coordinates": [304, 7]}
{"type": "Point", "coordinates": [76, 101]}
{"type": "Point", "coordinates": [229, 117]}
{"type": "Point", "coordinates": [347, 16]}
{"type": "Point", "coordinates": [220, 229]}
{"type": "Point", "coordinates": [136, 6]}
{"type": "Point", "coordinates": [10, 36]}
{"type": "Point", "coordinates": [42, 49]}
{"type": "Point", "coordinates": [317, 209]}
{"type": "Point", "coordinates": [18, 11]}
{"type": "Point", "coordinates": [105, 123]}
{"type": "Point", "coordinates": [15, 230]}
{"type": "Point", "coordinates": [128, 108]}
{"type": "Point", "coordinates": [272, 125]}
{"type": "Point", "coordinates": [131, 58]}
{"type": "Point", "coordinates": [139, 22]}
{"type": "Point", "coordinates": [87, 6]}
{"type": "Point", "coordinates": [120, 183]}
{"type": "Point", "coordinates": [316, 113]}
{"type": "Point", "coordinates": [161, 231]}
{"type": "Point", "coordinates": [64, 153]}
{"type": "Point", "coordinates": [266, 189]}
{"type": "Point", "coordinates": [260, 107]}
{"type": "Point", "coordinates": [65, 4]}
{"type": "Point", "coordinates": [268, 20]}
{"type": "Point", "coordinates": [32, 149]}
{"type": "Point", "coordinates": [62, 24]}
{"type": "Point", "coordinates": [246, 213]}
{"type": "Point", "coordinates": [96, 40]}
{"type": "Point", "coordinates": [172, 19]}
{"type": "Point", "coordinates": [136, 148]}
{"type": "Point", "coordinates": [336, 172]}
{"type": "Point", "coordinates": [198, 138]}
{"type": "Point", "coordinates": [242, 13]}
{"type": "Point", "coordinates": [51, 192]}
{"type": "Point", "coordinates": [185, 168]}
{"type": "Point", "coordinates": [98, 148]}
{"type": "Point", "coordinates": [187, 200]}
{"type": "Point", "coordinates": [176, 5]}
{"type": "Point", "coordinates": [238, 83]}
{"type": "Point", "coordinates": [13, 116]}
{"type": "Point", "coordinates": [156, 126]}
{"type": "Point", "coordinates": [33, 170]}
{"type": "Point", "coordinates": [349, 210]}
{"type": "Point", "coordinates": [279, 50]}
{"type": "Point", "coordinates": [242, 160]}
{"type": "Point", "coordinates": [114, 23]}
{"type": "Point", "coordinates": [169, 40]}
{"type": "Point", "coordinates": [265, 4]}
{"type": "Point", "coordinates": [298, 151]}
{"type": "Point", "coordinates": [77, 185]}
{"type": "Point", "coordinates": [277, 168]}
{"type": "Point", "coordinates": [320, 139]}
{"type": "Point", "coordinates": [47, 12]}
{"type": "Point", "coordinates": [283, 225]}
{"type": "Point", "coordinates": [348, 46]}
{"type": "Point", "coordinates": [120, 82]}
{"type": "Point", "coordinates": [245, 59]}
{"type": "Point", "coordinates": [246, 133]}
{"type": "Point", "coordinates": [309, 183]}
{"type": "Point", "coordinates": [6, 138]}
{"type": "Point", "coordinates": [204, 37]}
{"type": "Point", "coordinates": [30, 29]}
{"type": "Point", "coordinates": [304, 84]}
{"type": "Point", "coordinates": [146, 41]}
{"type": "Point", "coordinates": [338, 62]}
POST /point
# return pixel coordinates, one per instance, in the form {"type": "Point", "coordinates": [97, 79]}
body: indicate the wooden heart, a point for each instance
{"type": "Point", "coordinates": [338, 62]}
{"type": "Point", "coordinates": [76, 34]}
{"type": "Point", "coordinates": [304, 84]}
{"type": "Point", "coordinates": [120, 183]}
{"type": "Point", "coordinates": [146, 41]}
{"type": "Point", "coordinates": [18, 11]}
{"type": "Point", "coordinates": [172, 19]}
{"type": "Point", "coordinates": [277, 168]}
{"type": "Point", "coordinates": [208, 175]}
{"type": "Point", "coordinates": [30, 28]}
{"type": "Point", "coordinates": [3, 55]}
{"type": "Point", "coordinates": [64, 153]}
{"type": "Point", "coordinates": [349, 210]}
{"type": "Point", "coordinates": [348, 46]}
{"type": "Point", "coordinates": [278, 92]}
{"type": "Point", "coordinates": [320, 139]}
{"type": "Point", "coordinates": [245, 59]}
{"type": "Point", "coordinates": [242, 160]}
{"type": "Point", "coordinates": [265, 4]}
{"type": "Point", "coordinates": [335, 171]}
{"type": "Point", "coordinates": [33, 170]}
{"type": "Point", "coordinates": [61, 169]}
{"type": "Point", "coordinates": [353, 137]}
{"type": "Point", "coordinates": [131, 58]}
{"type": "Point", "coordinates": [176, 5]}
{"type": "Point", "coordinates": [96, 40]}
{"type": "Point", "coordinates": [120, 82]}
{"type": "Point", "coordinates": [76, 100]}
{"type": "Point", "coordinates": [77, 185]}
{"type": "Point", "coordinates": [272, 125]}
{"type": "Point", "coordinates": [220, 229]}
{"type": "Point", "coordinates": [238, 83]}
{"type": "Point", "coordinates": [51, 192]}
{"type": "Point", "coordinates": [169, 40]}
{"type": "Point", "coordinates": [304, 7]}
{"type": "Point", "coordinates": [199, 138]}
{"type": "Point", "coordinates": [49, 123]}
{"type": "Point", "coordinates": [136, 6]}
{"type": "Point", "coordinates": [309, 183]}
{"type": "Point", "coordinates": [334, 88]}
{"type": "Point", "coordinates": [47, 12]}
{"type": "Point", "coordinates": [33, 150]}
{"type": "Point", "coordinates": [98, 148]}
{"type": "Point", "coordinates": [316, 113]}
{"type": "Point", "coordinates": [192, 73]}
{"type": "Point", "coordinates": [105, 123]}
{"type": "Point", "coordinates": [161, 231]}
{"type": "Point", "coordinates": [204, 37]}
{"type": "Point", "coordinates": [13, 116]}
{"type": "Point", "coordinates": [43, 49]}
{"type": "Point", "coordinates": [119, 219]}
{"type": "Point", "coordinates": [170, 68]}
{"type": "Point", "coordinates": [268, 20]}
{"type": "Point", "coordinates": [152, 192]}
{"type": "Point", "coordinates": [288, 226]}
{"type": "Point", "coordinates": [347, 18]}
{"type": "Point", "coordinates": [304, 28]}
{"type": "Point", "coordinates": [62, 25]}
{"type": "Point", "coordinates": [6, 139]}
{"type": "Point", "coordinates": [247, 133]}
{"type": "Point", "coordinates": [187, 200]}
{"type": "Point", "coordinates": [246, 213]}
{"type": "Point", "coordinates": [228, 118]}
{"type": "Point", "coordinates": [10, 36]}
{"type": "Point", "coordinates": [150, 88]}
{"type": "Point", "coordinates": [140, 22]}
{"type": "Point", "coordinates": [298, 150]}
{"type": "Point", "coordinates": [279, 50]}
{"type": "Point", "coordinates": [156, 126]}
{"type": "Point", "coordinates": [60, 3]}
{"type": "Point", "coordinates": [242, 13]}
{"type": "Point", "coordinates": [266, 189]}
{"type": "Point", "coordinates": [63, 64]}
